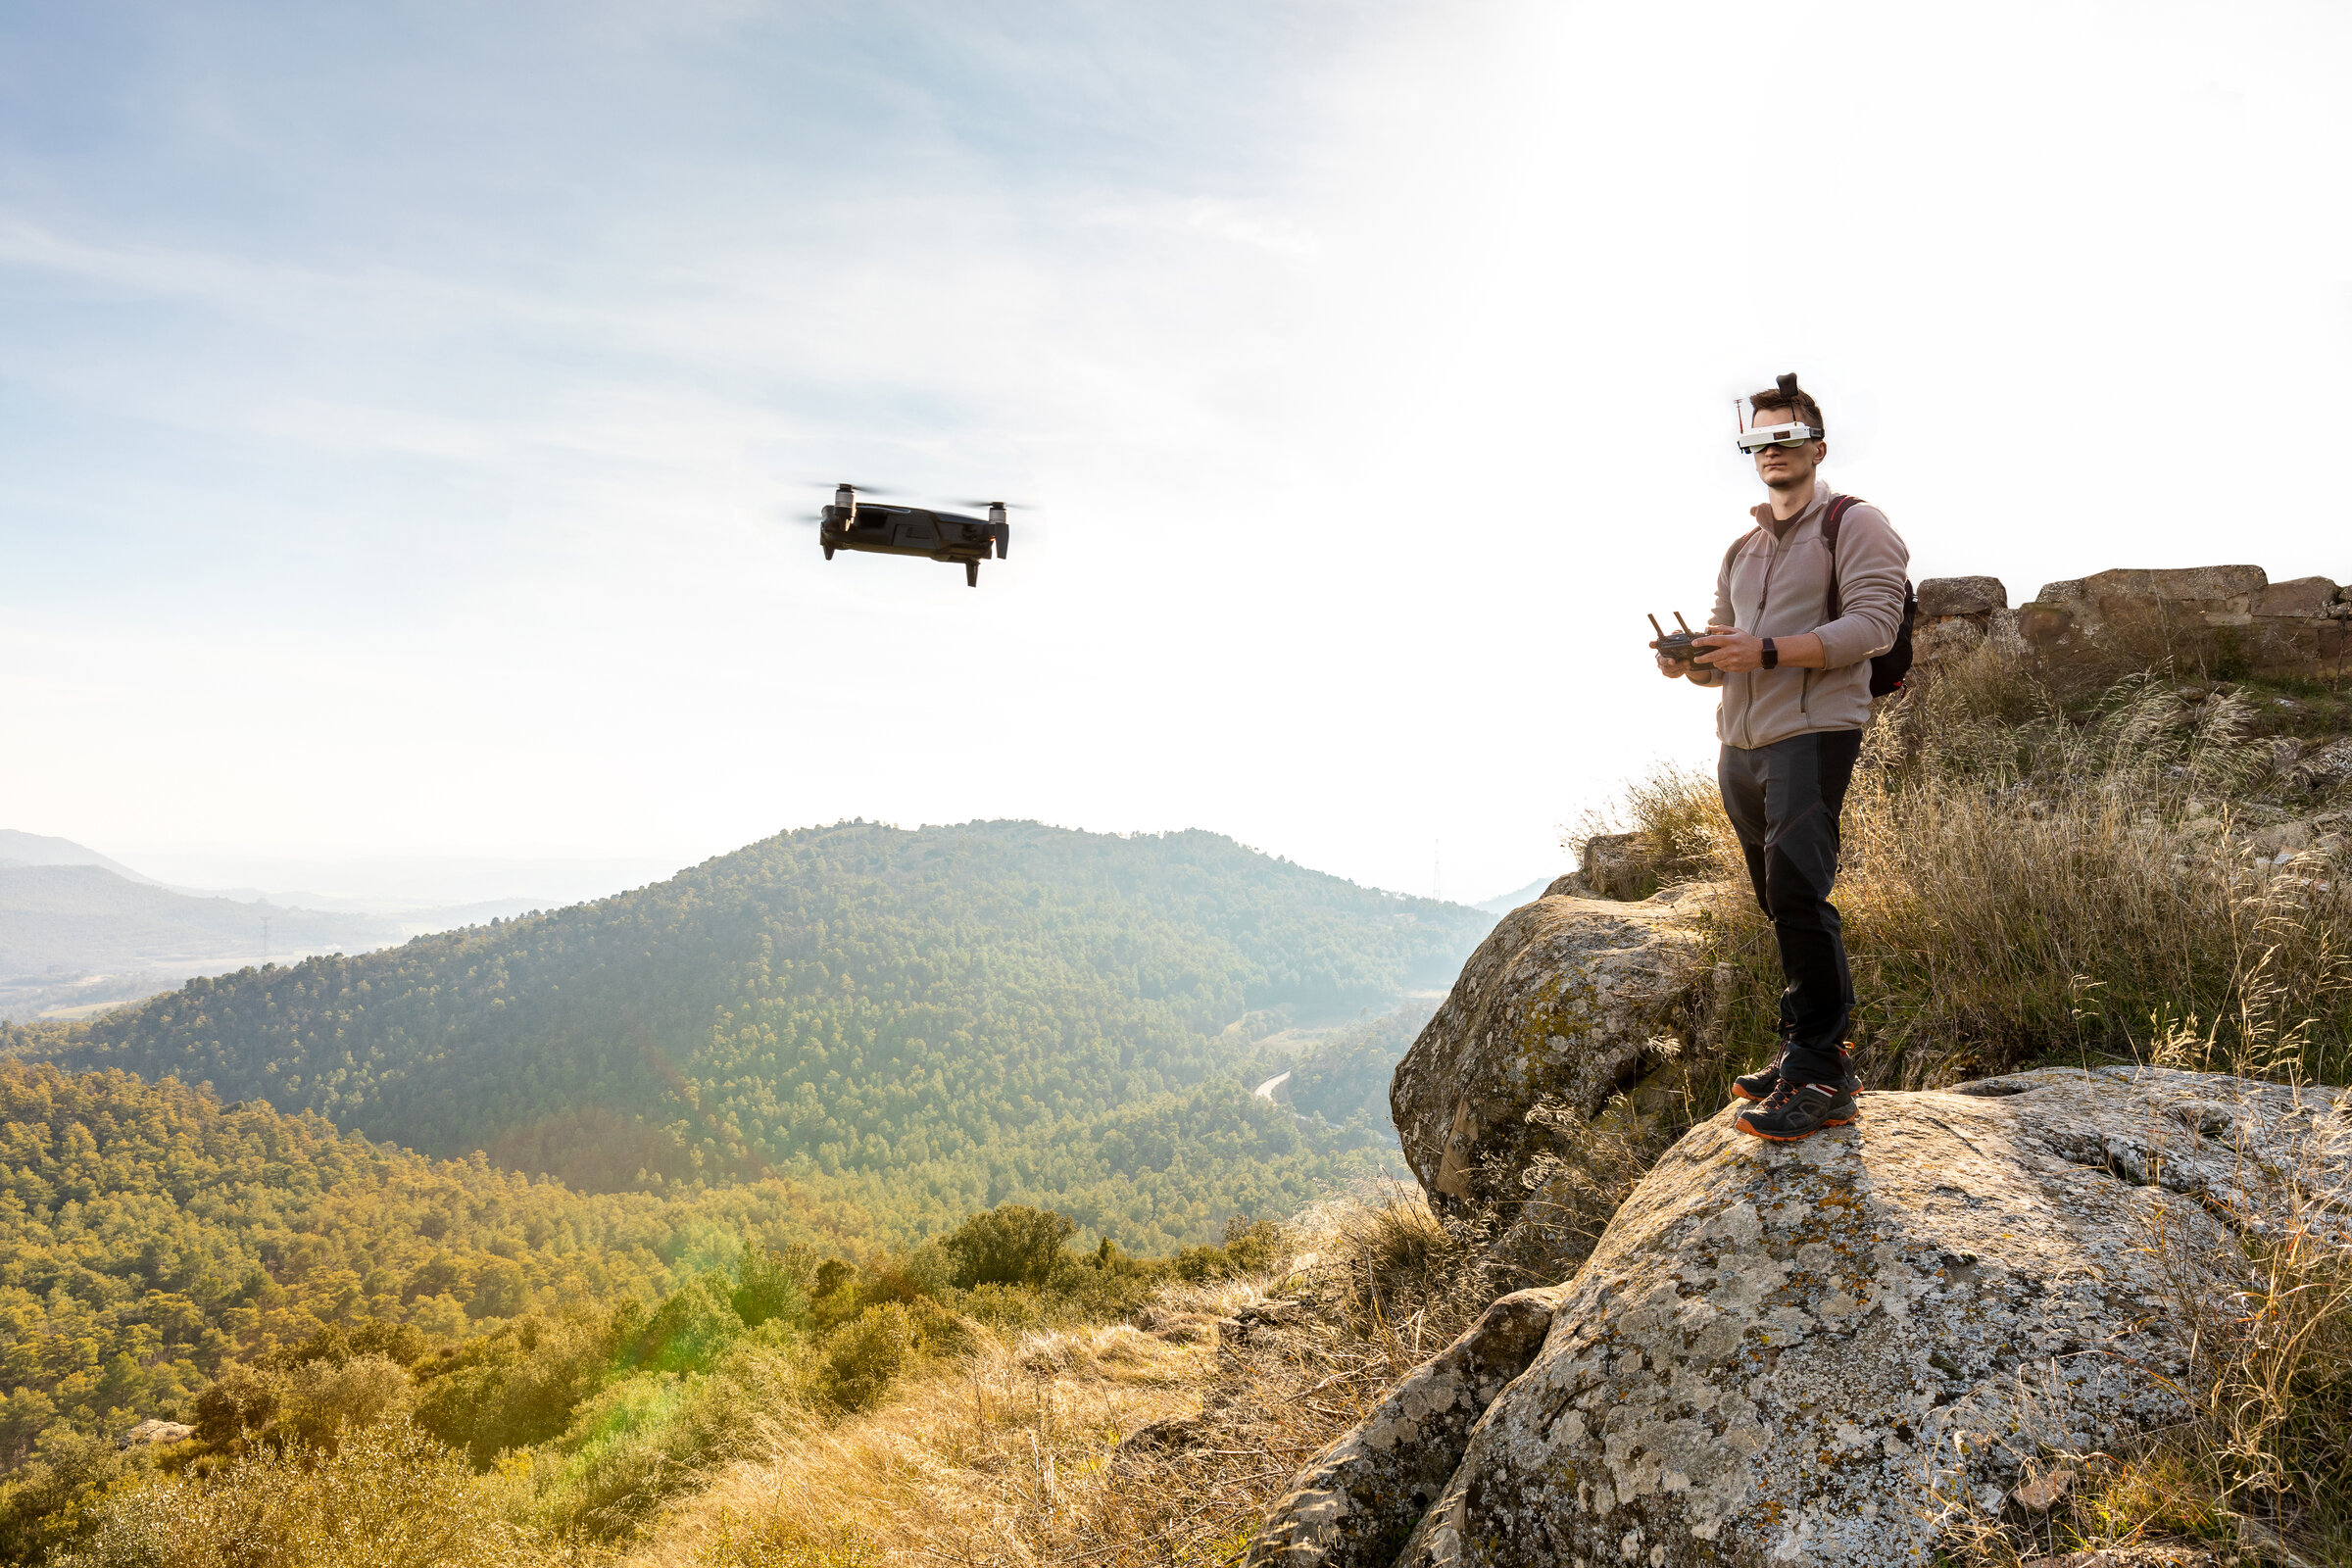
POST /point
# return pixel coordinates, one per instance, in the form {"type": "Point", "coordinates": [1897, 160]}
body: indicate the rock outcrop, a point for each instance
{"type": "Point", "coordinates": [2220, 621]}
{"type": "Point", "coordinates": [1565, 1002]}
{"type": "Point", "coordinates": [2223, 621]}
{"type": "Point", "coordinates": [1821, 1353]}
{"type": "Point", "coordinates": [155, 1431]}
{"type": "Point", "coordinates": [1954, 614]}
{"type": "Point", "coordinates": [1824, 1354]}
{"type": "Point", "coordinates": [1358, 1500]}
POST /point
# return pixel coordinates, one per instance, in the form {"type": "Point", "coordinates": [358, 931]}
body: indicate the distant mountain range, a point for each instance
{"type": "Point", "coordinates": [78, 936]}
{"type": "Point", "coordinates": [34, 849]}
{"type": "Point", "coordinates": [923, 1023]}
{"type": "Point", "coordinates": [89, 917]}
{"type": "Point", "coordinates": [82, 931]}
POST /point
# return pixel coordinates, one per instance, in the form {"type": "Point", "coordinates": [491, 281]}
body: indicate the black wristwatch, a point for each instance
{"type": "Point", "coordinates": [1772, 655]}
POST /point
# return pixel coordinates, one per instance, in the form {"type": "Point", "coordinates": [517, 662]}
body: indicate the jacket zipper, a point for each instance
{"type": "Point", "coordinates": [1747, 711]}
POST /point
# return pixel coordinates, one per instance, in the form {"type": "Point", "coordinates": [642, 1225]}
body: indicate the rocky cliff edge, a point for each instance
{"type": "Point", "coordinates": [1826, 1353]}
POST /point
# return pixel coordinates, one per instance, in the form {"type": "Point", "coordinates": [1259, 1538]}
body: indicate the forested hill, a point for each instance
{"type": "Point", "coordinates": [937, 1020]}
{"type": "Point", "coordinates": [150, 1234]}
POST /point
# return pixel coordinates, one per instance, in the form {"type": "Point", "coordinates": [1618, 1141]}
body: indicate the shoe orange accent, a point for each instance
{"type": "Point", "coordinates": [1741, 1124]}
{"type": "Point", "coordinates": [1739, 1093]}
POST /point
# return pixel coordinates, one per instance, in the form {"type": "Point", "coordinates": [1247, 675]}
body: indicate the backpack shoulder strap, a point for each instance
{"type": "Point", "coordinates": [1840, 506]}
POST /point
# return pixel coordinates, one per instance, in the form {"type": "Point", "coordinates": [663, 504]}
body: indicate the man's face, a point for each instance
{"type": "Point", "coordinates": [1787, 467]}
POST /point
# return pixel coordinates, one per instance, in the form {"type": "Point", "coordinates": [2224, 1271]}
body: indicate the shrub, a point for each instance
{"type": "Point", "coordinates": [521, 1387]}
{"type": "Point", "coordinates": [1010, 1307]}
{"type": "Point", "coordinates": [321, 1401]}
{"type": "Point", "coordinates": [242, 1399]}
{"type": "Point", "coordinates": [650, 1437]}
{"type": "Point", "coordinates": [614, 1463]}
{"type": "Point", "coordinates": [864, 1355]}
{"type": "Point", "coordinates": [927, 1273]}
{"type": "Point", "coordinates": [688, 1331]}
{"type": "Point", "coordinates": [54, 1499]}
{"type": "Point", "coordinates": [1247, 1248]}
{"type": "Point", "coordinates": [770, 1285]}
{"type": "Point", "coordinates": [1012, 1243]}
{"type": "Point", "coordinates": [388, 1496]}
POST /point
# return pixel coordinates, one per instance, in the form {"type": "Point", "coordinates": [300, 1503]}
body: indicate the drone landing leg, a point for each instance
{"type": "Point", "coordinates": [972, 574]}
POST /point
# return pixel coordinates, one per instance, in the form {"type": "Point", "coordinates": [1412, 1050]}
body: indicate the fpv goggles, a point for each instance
{"type": "Point", "coordinates": [1778, 435]}
{"type": "Point", "coordinates": [1757, 438]}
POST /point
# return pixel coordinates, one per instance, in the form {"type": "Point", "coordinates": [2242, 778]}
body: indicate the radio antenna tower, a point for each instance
{"type": "Point", "coordinates": [265, 939]}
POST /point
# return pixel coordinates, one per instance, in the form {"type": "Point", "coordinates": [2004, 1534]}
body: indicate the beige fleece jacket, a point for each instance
{"type": "Point", "coordinates": [1779, 587]}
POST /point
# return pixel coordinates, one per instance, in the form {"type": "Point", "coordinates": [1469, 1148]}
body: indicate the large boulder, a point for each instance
{"type": "Point", "coordinates": [1820, 1353]}
{"type": "Point", "coordinates": [155, 1431]}
{"type": "Point", "coordinates": [1563, 1005]}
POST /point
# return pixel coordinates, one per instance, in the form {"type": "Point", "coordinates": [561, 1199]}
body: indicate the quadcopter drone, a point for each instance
{"type": "Point", "coordinates": [884, 530]}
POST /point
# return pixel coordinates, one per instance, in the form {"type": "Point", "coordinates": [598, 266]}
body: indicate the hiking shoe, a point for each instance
{"type": "Point", "coordinates": [1798, 1112]}
{"type": "Point", "coordinates": [1760, 1083]}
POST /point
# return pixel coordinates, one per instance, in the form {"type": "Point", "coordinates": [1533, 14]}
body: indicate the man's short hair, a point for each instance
{"type": "Point", "coordinates": [1774, 399]}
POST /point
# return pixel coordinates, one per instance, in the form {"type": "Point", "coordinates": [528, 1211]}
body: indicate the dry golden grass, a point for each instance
{"type": "Point", "coordinates": [969, 1464]}
{"type": "Point", "coordinates": [1013, 1455]}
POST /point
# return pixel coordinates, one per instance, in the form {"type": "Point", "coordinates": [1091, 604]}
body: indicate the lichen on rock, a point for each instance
{"type": "Point", "coordinates": [1820, 1353]}
{"type": "Point", "coordinates": [1560, 1004]}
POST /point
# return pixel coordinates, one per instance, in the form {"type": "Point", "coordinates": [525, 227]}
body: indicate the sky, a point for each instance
{"type": "Point", "coordinates": [409, 411]}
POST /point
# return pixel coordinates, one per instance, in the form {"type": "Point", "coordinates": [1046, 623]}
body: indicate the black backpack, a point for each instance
{"type": "Point", "coordinates": [1886, 669]}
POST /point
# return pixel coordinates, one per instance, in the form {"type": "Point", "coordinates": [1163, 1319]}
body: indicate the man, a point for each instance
{"type": "Point", "coordinates": [1795, 683]}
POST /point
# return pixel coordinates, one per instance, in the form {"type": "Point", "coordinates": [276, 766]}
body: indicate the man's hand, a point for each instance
{"type": "Point", "coordinates": [1732, 651]}
{"type": "Point", "coordinates": [1673, 669]}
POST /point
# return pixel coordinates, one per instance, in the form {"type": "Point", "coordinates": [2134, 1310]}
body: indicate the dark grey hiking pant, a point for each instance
{"type": "Point", "coordinates": [1784, 801]}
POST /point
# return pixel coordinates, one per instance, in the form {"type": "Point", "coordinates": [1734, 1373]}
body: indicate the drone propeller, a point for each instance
{"type": "Point", "coordinates": [1008, 506]}
{"type": "Point", "coordinates": [862, 489]}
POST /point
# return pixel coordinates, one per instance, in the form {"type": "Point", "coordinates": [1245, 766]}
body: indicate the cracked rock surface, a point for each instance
{"type": "Point", "coordinates": [1357, 1500]}
{"type": "Point", "coordinates": [1560, 1002]}
{"type": "Point", "coordinates": [1818, 1353]}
